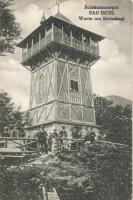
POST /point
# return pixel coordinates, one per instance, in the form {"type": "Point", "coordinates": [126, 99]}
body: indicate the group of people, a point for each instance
{"type": "Point", "coordinates": [12, 132]}
{"type": "Point", "coordinates": [52, 141]}
{"type": "Point", "coordinates": [55, 141]}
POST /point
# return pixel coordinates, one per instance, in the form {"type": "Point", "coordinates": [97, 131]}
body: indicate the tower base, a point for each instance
{"type": "Point", "coordinates": [32, 130]}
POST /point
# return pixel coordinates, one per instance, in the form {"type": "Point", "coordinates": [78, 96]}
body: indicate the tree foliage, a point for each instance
{"type": "Point", "coordinates": [115, 121]}
{"type": "Point", "coordinates": [97, 172]}
{"type": "Point", "coordinates": [9, 28]}
{"type": "Point", "coordinates": [16, 184]}
{"type": "Point", "coordinates": [10, 116]}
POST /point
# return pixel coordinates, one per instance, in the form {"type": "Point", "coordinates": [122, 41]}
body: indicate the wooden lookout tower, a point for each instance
{"type": "Point", "coordinates": [59, 55]}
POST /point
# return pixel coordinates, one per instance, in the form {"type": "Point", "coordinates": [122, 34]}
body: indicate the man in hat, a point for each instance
{"type": "Point", "coordinates": [42, 140]}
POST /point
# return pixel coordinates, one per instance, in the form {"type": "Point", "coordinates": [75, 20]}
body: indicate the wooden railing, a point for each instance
{"type": "Point", "coordinates": [74, 144]}
{"type": "Point", "coordinates": [75, 96]}
{"type": "Point", "coordinates": [11, 145]}
{"type": "Point", "coordinates": [76, 43]}
{"type": "Point", "coordinates": [37, 47]}
{"type": "Point", "coordinates": [72, 42]}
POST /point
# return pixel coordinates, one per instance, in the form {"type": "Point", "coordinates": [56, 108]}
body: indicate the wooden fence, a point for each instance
{"type": "Point", "coordinates": [17, 147]}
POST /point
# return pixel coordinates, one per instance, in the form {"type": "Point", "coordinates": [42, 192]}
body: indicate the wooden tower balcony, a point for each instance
{"type": "Point", "coordinates": [59, 32]}
{"type": "Point", "coordinates": [68, 41]}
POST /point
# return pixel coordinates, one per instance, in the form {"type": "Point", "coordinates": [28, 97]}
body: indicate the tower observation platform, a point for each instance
{"type": "Point", "coordinates": [59, 55]}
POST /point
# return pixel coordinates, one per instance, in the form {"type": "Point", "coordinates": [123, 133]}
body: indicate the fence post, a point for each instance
{"type": "Point", "coordinates": [77, 144]}
{"type": "Point", "coordinates": [44, 193]}
{"type": "Point", "coordinates": [23, 148]}
{"type": "Point", "coordinates": [6, 144]}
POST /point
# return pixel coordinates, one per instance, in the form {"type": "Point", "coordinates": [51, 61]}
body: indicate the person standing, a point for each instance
{"type": "Point", "coordinates": [99, 137]}
{"type": "Point", "coordinates": [45, 140]}
{"type": "Point", "coordinates": [86, 138]}
{"type": "Point", "coordinates": [15, 132]}
{"type": "Point", "coordinates": [74, 133]}
{"type": "Point", "coordinates": [62, 135]}
{"type": "Point", "coordinates": [92, 136]}
{"type": "Point", "coordinates": [42, 140]}
{"type": "Point", "coordinates": [6, 132]}
{"type": "Point", "coordinates": [84, 131]}
{"type": "Point", "coordinates": [50, 142]}
{"type": "Point", "coordinates": [63, 132]}
{"type": "Point", "coordinates": [55, 134]}
{"type": "Point", "coordinates": [55, 141]}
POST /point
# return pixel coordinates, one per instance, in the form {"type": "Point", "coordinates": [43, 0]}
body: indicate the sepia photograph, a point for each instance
{"type": "Point", "coordinates": [66, 100]}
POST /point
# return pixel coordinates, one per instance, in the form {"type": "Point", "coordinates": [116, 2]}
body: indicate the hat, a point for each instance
{"type": "Point", "coordinates": [63, 127]}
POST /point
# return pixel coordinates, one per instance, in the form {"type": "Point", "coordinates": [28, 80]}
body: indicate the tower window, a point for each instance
{"type": "Point", "coordinates": [74, 85]}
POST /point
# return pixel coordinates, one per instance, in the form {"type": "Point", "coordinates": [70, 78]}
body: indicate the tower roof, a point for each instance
{"type": "Point", "coordinates": [60, 16]}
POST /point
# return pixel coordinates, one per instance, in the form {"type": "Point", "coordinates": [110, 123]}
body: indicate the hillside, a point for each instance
{"type": "Point", "coordinates": [97, 172]}
{"type": "Point", "coordinates": [119, 100]}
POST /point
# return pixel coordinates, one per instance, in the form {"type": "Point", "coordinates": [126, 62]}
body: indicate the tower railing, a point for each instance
{"type": "Point", "coordinates": [75, 97]}
{"type": "Point", "coordinates": [63, 39]}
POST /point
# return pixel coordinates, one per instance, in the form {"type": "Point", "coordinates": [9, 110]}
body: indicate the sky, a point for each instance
{"type": "Point", "coordinates": [111, 75]}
